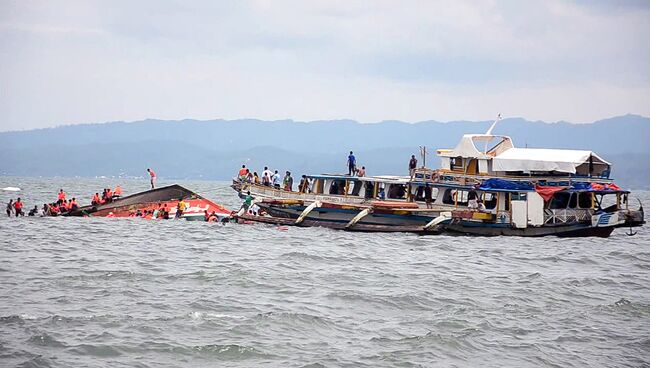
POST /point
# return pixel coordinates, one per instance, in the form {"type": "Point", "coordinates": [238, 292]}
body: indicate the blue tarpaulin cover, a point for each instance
{"type": "Point", "coordinates": [496, 184]}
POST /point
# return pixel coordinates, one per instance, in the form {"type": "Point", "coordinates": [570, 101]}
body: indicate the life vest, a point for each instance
{"type": "Point", "coordinates": [110, 215]}
{"type": "Point", "coordinates": [96, 198]}
{"type": "Point", "coordinates": [62, 196]}
{"type": "Point", "coordinates": [118, 190]}
{"type": "Point", "coordinates": [242, 172]}
{"type": "Point", "coordinates": [109, 194]}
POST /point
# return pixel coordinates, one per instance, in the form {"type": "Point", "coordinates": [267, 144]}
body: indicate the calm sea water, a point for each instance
{"type": "Point", "coordinates": [89, 292]}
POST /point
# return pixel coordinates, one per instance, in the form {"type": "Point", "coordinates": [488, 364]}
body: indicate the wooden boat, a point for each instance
{"type": "Point", "coordinates": [156, 199]}
{"type": "Point", "coordinates": [523, 191]}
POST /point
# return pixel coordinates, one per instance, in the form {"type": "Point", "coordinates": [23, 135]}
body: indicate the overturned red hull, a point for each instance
{"type": "Point", "coordinates": [156, 199]}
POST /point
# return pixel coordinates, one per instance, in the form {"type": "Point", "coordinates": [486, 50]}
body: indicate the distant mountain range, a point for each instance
{"type": "Point", "coordinates": [215, 149]}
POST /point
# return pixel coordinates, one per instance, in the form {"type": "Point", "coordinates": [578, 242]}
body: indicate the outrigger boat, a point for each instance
{"type": "Point", "coordinates": [150, 200]}
{"type": "Point", "coordinates": [522, 191]}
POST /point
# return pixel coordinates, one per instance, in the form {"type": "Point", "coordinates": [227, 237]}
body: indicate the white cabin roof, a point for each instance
{"type": "Point", "coordinates": [537, 159]}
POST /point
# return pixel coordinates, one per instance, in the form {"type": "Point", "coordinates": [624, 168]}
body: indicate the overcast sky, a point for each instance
{"type": "Point", "coordinates": [68, 62]}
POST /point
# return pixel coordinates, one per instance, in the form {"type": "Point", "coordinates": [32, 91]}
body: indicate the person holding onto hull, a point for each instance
{"type": "Point", "coordinates": [152, 175]}
{"type": "Point", "coordinates": [352, 163]}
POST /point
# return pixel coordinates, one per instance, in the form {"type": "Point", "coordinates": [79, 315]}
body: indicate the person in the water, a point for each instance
{"type": "Point", "coordinates": [10, 207]}
{"type": "Point", "coordinates": [18, 207]}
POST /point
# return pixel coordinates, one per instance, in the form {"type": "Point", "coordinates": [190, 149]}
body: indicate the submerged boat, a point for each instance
{"type": "Point", "coordinates": [485, 186]}
{"type": "Point", "coordinates": [156, 199]}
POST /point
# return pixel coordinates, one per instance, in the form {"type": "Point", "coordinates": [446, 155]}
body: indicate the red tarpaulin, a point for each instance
{"type": "Point", "coordinates": [547, 192]}
{"type": "Point", "coordinates": [612, 186]}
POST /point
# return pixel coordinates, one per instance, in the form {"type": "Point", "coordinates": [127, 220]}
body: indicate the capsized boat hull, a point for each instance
{"type": "Point", "coordinates": [153, 199]}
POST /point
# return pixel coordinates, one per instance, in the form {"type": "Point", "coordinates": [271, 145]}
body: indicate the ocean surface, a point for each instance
{"type": "Point", "coordinates": [96, 292]}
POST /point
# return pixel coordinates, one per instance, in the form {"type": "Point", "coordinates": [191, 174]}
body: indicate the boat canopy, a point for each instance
{"type": "Point", "coordinates": [479, 146]}
{"type": "Point", "coordinates": [550, 160]}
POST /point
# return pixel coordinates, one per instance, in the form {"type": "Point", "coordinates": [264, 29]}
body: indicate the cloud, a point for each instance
{"type": "Point", "coordinates": [72, 62]}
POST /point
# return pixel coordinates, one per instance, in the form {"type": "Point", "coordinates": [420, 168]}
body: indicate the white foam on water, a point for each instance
{"type": "Point", "coordinates": [11, 189]}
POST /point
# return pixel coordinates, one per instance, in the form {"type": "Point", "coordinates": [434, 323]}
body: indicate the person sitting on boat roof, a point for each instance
{"type": "Point", "coordinates": [152, 175]}
{"type": "Point", "coordinates": [287, 182]}
{"type": "Point", "coordinates": [249, 176]}
{"type": "Point", "coordinates": [118, 192]}
{"type": "Point", "coordinates": [361, 172]}
{"type": "Point", "coordinates": [276, 180]}
{"type": "Point", "coordinates": [413, 164]}
{"type": "Point", "coordinates": [242, 173]}
{"type": "Point", "coordinates": [266, 176]}
{"type": "Point", "coordinates": [256, 178]}
{"type": "Point", "coordinates": [352, 163]}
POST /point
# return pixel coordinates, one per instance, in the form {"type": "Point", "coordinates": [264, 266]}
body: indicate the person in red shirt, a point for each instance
{"type": "Point", "coordinates": [153, 177]}
{"type": "Point", "coordinates": [18, 208]}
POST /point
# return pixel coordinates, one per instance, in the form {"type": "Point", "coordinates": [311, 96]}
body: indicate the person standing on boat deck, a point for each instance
{"type": "Point", "coordinates": [413, 164]}
{"type": "Point", "coordinates": [352, 163]}
{"type": "Point", "coordinates": [428, 199]}
{"type": "Point", "coordinates": [152, 174]}
{"type": "Point", "coordinates": [287, 182]}
{"type": "Point", "coordinates": [361, 172]}
{"type": "Point", "coordinates": [276, 180]}
{"type": "Point", "coordinates": [10, 207]}
{"type": "Point", "coordinates": [302, 186]}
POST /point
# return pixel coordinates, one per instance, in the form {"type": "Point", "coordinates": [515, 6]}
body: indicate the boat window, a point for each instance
{"type": "Point", "coordinates": [355, 187]}
{"type": "Point", "coordinates": [456, 163]}
{"type": "Point", "coordinates": [560, 200]}
{"type": "Point", "coordinates": [396, 191]}
{"type": "Point", "coordinates": [573, 200]}
{"type": "Point", "coordinates": [337, 187]}
{"type": "Point", "coordinates": [419, 194]}
{"type": "Point", "coordinates": [455, 196]}
{"type": "Point", "coordinates": [519, 196]}
{"type": "Point", "coordinates": [489, 200]}
{"type": "Point", "coordinates": [584, 200]}
{"type": "Point", "coordinates": [369, 189]}
{"type": "Point", "coordinates": [606, 200]}
{"type": "Point", "coordinates": [317, 186]}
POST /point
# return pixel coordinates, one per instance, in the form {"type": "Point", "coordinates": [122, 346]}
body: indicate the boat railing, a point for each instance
{"type": "Point", "coordinates": [566, 215]}
{"type": "Point", "coordinates": [448, 176]}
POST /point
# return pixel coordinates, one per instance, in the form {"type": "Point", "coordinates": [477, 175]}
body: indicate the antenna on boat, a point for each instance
{"type": "Point", "coordinates": [489, 132]}
{"type": "Point", "coordinates": [423, 153]}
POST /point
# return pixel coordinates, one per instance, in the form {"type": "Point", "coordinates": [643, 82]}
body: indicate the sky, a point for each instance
{"type": "Point", "coordinates": [71, 62]}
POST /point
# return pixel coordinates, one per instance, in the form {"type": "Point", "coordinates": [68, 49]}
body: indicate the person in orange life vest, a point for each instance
{"type": "Point", "coordinates": [18, 208]}
{"type": "Point", "coordinates": [109, 195]}
{"type": "Point", "coordinates": [61, 195]}
{"type": "Point", "coordinates": [110, 215]}
{"type": "Point", "coordinates": [74, 205]}
{"type": "Point", "coordinates": [96, 200]}
{"type": "Point", "coordinates": [118, 192]}
{"type": "Point", "coordinates": [153, 177]}
{"type": "Point", "coordinates": [54, 208]}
